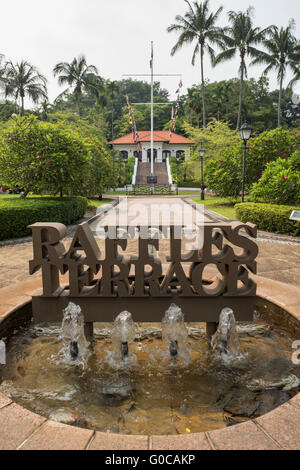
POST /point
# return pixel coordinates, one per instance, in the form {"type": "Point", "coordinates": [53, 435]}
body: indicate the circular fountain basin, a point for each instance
{"type": "Point", "coordinates": [195, 399]}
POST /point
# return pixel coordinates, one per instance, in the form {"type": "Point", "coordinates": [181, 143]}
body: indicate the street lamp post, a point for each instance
{"type": "Point", "coordinates": [202, 153]}
{"type": "Point", "coordinates": [245, 133]}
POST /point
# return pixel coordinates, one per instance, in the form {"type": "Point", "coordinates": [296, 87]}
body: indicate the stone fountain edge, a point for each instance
{"type": "Point", "coordinates": [22, 429]}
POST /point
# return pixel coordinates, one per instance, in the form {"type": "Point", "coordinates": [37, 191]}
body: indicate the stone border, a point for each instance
{"type": "Point", "coordinates": [22, 429]}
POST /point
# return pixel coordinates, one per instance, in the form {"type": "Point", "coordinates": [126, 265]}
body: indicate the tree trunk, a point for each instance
{"type": "Point", "coordinates": [61, 194]}
{"type": "Point", "coordinates": [239, 119]}
{"type": "Point", "coordinates": [78, 102]}
{"type": "Point", "coordinates": [22, 105]}
{"type": "Point", "coordinates": [280, 100]}
{"type": "Point", "coordinates": [203, 86]}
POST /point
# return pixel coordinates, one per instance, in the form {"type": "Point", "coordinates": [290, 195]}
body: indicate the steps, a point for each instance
{"type": "Point", "coordinates": [144, 170]}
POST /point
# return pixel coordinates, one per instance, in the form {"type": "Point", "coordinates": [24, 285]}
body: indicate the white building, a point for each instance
{"type": "Point", "coordinates": [165, 146]}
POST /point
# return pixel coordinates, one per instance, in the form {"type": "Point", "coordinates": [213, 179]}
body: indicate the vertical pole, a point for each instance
{"type": "Point", "coordinates": [152, 116]}
{"type": "Point", "coordinates": [244, 171]}
{"type": "Point", "coordinates": [202, 180]}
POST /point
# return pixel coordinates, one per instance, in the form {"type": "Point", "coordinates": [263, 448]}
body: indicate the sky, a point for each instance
{"type": "Point", "coordinates": [115, 36]}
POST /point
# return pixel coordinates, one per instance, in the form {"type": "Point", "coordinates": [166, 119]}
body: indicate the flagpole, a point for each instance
{"type": "Point", "coordinates": [152, 114]}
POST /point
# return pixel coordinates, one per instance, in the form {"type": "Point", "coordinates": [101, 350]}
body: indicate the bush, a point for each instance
{"type": "Point", "coordinates": [42, 157]}
{"type": "Point", "coordinates": [267, 147]}
{"type": "Point", "coordinates": [16, 214]}
{"type": "Point", "coordinates": [269, 217]}
{"type": "Point", "coordinates": [280, 182]}
{"type": "Point", "coordinates": [223, 173]}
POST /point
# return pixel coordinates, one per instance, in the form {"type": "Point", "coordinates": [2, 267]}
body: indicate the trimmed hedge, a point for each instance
{"type": "Point", "coordinates": [269, 217]}
{"type": "Point", "coordinates": [16, 214]}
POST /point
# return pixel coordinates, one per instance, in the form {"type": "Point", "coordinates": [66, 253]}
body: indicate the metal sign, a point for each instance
{"type": "Point", "coordinates": [104, 284]}
{"type": "Point", "coordinates": [295, 215]}
{"type": "Point", "coordinates": [152, 179]}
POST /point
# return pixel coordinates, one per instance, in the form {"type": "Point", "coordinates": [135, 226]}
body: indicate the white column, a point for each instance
{"type": "Point", "coordinates": [152, 114]}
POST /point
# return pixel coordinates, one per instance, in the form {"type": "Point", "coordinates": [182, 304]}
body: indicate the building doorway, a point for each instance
{"type": "Point", "coordinates": [149, 155]}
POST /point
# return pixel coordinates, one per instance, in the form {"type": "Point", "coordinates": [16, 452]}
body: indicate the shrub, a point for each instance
{"type": "Point", "coordinates": [269, 217]}
{"type": "Point", "coordinates": [129, 169]}
{"type": "Point", "coordinates": [42, 157]}
{"type": "Point", "coordinates": [267, 147]}
{"type": "Point", "coordinates": [280, 182]}
{"type": "Point", "coordinates": [16, 214]}
{"type": "Point", "coordinates": [223, 173]}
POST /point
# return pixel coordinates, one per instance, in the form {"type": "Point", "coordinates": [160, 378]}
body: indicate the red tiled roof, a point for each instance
{"type": "Point", "coordinates": [159, 136]}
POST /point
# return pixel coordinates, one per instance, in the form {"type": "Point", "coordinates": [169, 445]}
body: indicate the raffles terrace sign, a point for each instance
{"type": "Point", "coordinates": [104, 284]}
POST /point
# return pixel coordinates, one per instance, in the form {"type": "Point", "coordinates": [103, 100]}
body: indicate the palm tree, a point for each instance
{"type": "Point", "coordinates": [78, 75]}
{"type": "Point", "coordinates": [198, 25]}
{"type": "Point", "coordinates": [241, 37]}
{"type": "Point", "coordinates": [23, 79]}
{"type": "Point", "coordinates": [283, 52]}
{"type": "Point", "coordinates": [2, 78]}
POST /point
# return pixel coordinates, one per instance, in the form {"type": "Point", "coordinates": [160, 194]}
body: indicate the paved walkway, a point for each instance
{"type": "Point", "coordinates": [279, 257]}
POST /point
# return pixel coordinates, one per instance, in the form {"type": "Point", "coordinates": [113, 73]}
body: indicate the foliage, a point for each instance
{"type": "Point", "coordinates": [282, 53]}
{"type": "Point", "coordinates": [147, 190]}
{"type": "Point", "coordinates": [17, 214]}
{"type": "Point", "coordinates": [199, 26]}
{"type": "Point", "coordinates": [129, 169]}
{"type": "Point", "coordinates": [267, 147]}
{"type": "Point", "coordinates": [214, 138]}
{"type": "Point", "coordinates": [79, 76]}
{"type": "Point", "coordinates": [269, 217]}
{"type": "Point", "coordinates": [241, 38]}
{"type": "Point", "coordinates": [280, 182]}
{"type": "Point", "coordinates": [223, 173]}
{"type": "Point", "coordinates": [23, 79]}
{"type": "Point", "coordinates": [45, 157]}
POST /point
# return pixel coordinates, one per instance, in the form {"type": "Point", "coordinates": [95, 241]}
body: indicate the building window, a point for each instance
{"type": "Point", "coordinates": [149, 155]}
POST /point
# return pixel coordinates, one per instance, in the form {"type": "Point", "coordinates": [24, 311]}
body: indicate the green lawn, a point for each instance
{"type": "Point", "coordinates": [220, 205]}
{"type": "Point", "coordinates": [93, 204]}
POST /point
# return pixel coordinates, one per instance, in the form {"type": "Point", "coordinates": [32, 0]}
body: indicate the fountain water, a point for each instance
{"type": "Point", "coordinates": [226, 340]}
{"type": "Point", "coordinates": [72, 333]}
{"type": "Point", "coordinates": [123, 333]}
{"type": "Point", "coordinates": [174, 332]}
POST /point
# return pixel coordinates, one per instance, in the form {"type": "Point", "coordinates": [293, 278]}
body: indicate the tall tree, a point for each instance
{"type": "Point", "coordinates": [198, 25]}
{"type": "Point", "coordinates": [78, 75]}
{"type": "Point", "coordinates": [23, 79]}
{"type": "Point", "coordinates": [282, 52]}
{"type": "Point", "coordinates": [241, 37]}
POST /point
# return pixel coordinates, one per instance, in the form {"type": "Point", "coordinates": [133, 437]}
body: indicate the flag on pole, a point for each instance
{"type": "Point", "coordinates": [151, 60]}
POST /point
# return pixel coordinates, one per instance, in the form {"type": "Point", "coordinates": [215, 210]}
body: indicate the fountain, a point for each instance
{"type": "Point", "coordinates": [123, 334]}
{"type": "Point", "coordinates": [128, 384]}
{"type": "Point", "coordinates": [174, 332]}
{"type": "Point", "coordinates": [225, 341]}
{"type": "Point", "coordinates": [75, 345]}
